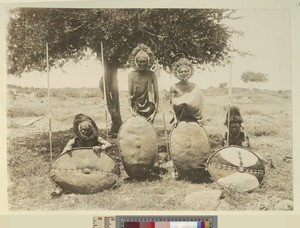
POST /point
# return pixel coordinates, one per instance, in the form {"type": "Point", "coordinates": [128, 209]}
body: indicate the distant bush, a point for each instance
{"type": "Point", "coordinates": [11, 94]}
{"type": "Point", "coordinates": [223, 85]}
{"type": "Point", "coordinates": [254, 112]}
{"type": "Point", "coordinates": [40, 93]}
{"type": "Point", "coordinates": [75, 93]}
{"type": "Point", "coordinates": [26, 90]}
{"type": "Point", "coordinates": [263, 129]}
{"type": "Point", "coordinates": [16, 112]}
{"type": "Point", "coordinates": [91, 93]}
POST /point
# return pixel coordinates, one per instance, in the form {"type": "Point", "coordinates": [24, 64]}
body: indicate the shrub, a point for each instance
{"type": "Point", "coordinates": [254, 112]}
{"type": "Point", "coordinates": [40, 93]}
{"type": "Point", "coordinates": [15, 112]}
{"type": "Point", "coordinates": [263, 129]}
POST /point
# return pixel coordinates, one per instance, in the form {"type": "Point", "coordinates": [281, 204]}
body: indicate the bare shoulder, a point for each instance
{"type": "Point", "coordinates": [152, 74]}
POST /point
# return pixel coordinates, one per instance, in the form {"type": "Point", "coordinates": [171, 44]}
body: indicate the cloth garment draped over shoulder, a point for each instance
{"type": "Point", "coordinates": [143, 103]}
{"type": "Point", "coordinates": [187, 102]}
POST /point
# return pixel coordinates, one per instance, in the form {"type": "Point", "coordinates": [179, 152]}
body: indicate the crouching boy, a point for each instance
{"type": "Point", "coordinates": [87, 133]}
{"type": "Point", "coordinates": [237, 136]}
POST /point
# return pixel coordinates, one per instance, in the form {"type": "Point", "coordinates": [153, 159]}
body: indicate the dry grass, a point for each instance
{"type": "Point", "coordinates": [267, 121]}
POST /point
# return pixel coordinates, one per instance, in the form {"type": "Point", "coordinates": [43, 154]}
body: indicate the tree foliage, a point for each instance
{"type": "Point", "coordinates": [197, 34]}
{"type": "Point", "coordinates": [251, 76]}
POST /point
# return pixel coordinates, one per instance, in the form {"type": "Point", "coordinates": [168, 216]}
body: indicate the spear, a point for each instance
{"type": "Point", "coordinates": [229, 103]}
{"type": "Point", "coordinates": [163, 113]}
{"type": "Point", "coordinates": [49, 98]}
{"type": "Point", "coordinates": [104, 89]}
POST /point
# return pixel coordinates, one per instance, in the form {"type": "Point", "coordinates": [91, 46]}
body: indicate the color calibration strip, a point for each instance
{"type": "Point", "coordinates": [203, 224]}
{"type": "Point", "coordinates": [167, 222]}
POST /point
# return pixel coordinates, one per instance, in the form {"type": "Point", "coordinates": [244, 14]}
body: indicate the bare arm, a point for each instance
{"type": "Point", "coordinates": [104, 144]}
{"type": "Point", "coordinates": [155, 90]}
{"type": "Point", "coordinates": [69, 146]}
{"type": "Point", "coordinates": [130, 90]}
{"type": "Point", "coordinates": [130, 85]}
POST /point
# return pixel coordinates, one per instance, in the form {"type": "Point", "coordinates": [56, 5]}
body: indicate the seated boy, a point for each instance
{"type": "Point", "coordinates": [236, 134]}
{"type": "Point", "coordinates": [86, 132]}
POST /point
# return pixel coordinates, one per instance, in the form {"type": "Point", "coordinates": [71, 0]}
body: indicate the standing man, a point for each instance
{"type": "Point", "coordinates": [186, 97]}
{"type": "Point", "coordinates": [143, 83]}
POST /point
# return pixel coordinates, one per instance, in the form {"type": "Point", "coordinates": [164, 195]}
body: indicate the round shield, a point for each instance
{"type": "Point", "coordinates": [84, 171]}
{"type": "Point", "coordinates": [237, 168]}
{"type": "Point", "coordinates": [137, 142]}
{"type": "Point", "coordinates": [189, 149]}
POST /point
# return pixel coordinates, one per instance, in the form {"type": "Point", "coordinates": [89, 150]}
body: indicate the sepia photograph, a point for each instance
{"type": "Point", "coordinates": [148, 109]}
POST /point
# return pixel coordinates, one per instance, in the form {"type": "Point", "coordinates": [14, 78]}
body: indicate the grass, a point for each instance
{"type": "Point", "coordinates": [268, 123]}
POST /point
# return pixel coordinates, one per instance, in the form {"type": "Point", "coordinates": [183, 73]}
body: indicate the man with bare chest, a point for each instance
{"type": "Point", "coordinates": [142, 83]}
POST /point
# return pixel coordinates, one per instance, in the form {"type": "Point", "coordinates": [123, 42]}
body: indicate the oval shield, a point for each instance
{"type": "Point", "coordinates": [84, 171]}
{"type": "Point", "coordinates": [137, 142]}
{"type": "Point", "coordinates": [237, 168]}
{"type": "Point", "coordinates": [189, 149]}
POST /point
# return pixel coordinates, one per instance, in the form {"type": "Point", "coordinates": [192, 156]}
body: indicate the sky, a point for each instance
{"type": "Point", "coordinates": [266, 36]}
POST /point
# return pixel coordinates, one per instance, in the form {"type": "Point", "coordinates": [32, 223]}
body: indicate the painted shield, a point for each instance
{"type": "Point", "coordinates": [84, 171]}
{"type": "Point", "coordinates": [237, 168]}
{"type": "Point", "coordinates": [189, 149]}
{"type": "Point", "coordinates": [137, 141]}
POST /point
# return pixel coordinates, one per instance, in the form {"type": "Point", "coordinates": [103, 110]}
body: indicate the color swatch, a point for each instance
{"type": "Point", "coordinates": [172, 224]}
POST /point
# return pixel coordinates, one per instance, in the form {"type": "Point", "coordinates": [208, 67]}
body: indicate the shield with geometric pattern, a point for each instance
{"type": "Point", "coordinates": [237, 168]}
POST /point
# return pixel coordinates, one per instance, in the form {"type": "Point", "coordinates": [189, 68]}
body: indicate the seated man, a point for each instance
{"type": "Point", "coordinates": [142, 83]}
{"type": "Point", "coordinates": [86, 132]}
{"type": "Point", "coordinates": [236, 134]}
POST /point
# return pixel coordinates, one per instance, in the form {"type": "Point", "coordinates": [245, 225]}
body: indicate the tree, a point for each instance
{"type": "Point", "coordinates": [197, 34]}
{"type": "Point", "coordinates": [251, 77]}
{"type": "Point", "coordinates": [223, 85]}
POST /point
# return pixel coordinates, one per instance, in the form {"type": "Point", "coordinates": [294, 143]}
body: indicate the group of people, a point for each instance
{"type": "Point", "coordinates": [143, 95]}
{"type": "Point", "coordinates": [186, 97]}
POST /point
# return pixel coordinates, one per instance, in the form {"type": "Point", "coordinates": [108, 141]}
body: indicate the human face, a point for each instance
{"type": "Point", "coordinates": [142, 63]}
{"type": "Point", "coordinates": [183, 72]}
{"type": "Point", "coordinates": [234, 128]}
{"type": "Point", "coordinates": [85, 128]}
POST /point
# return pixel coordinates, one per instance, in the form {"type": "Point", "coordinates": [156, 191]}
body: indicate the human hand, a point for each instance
{"type": "Point", "coordinates": [245, 144]}
{"type": "Point", "coordinates": [67, 149]}
{"type": "Point", "coordinates": [97, 148]}
{"type": "Point", "coordinates": [104, 147]}
{"type": "Point", "coordinates": [199, 122]}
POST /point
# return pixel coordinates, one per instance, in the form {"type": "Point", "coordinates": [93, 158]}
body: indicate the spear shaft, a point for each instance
{"type": "Point", "coordinates": [49, 101]}
{"type": "Point", "coordinates": [229, 103]}
{"type": "Point", "coordinates": [104, 89]}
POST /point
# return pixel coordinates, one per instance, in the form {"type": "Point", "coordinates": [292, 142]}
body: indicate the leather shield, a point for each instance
{"type": "Point", "coordinates": [137, 142]}
{"type": "Point", "coordinates": [84, 171]}
{"type": "Point", "coordinates": [237, 168]}
{"type": "Point", "coordinates": [189, 149]}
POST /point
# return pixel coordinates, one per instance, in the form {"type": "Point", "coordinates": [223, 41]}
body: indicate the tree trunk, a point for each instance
{"type": "Point", "coordinates": [112, 96]}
